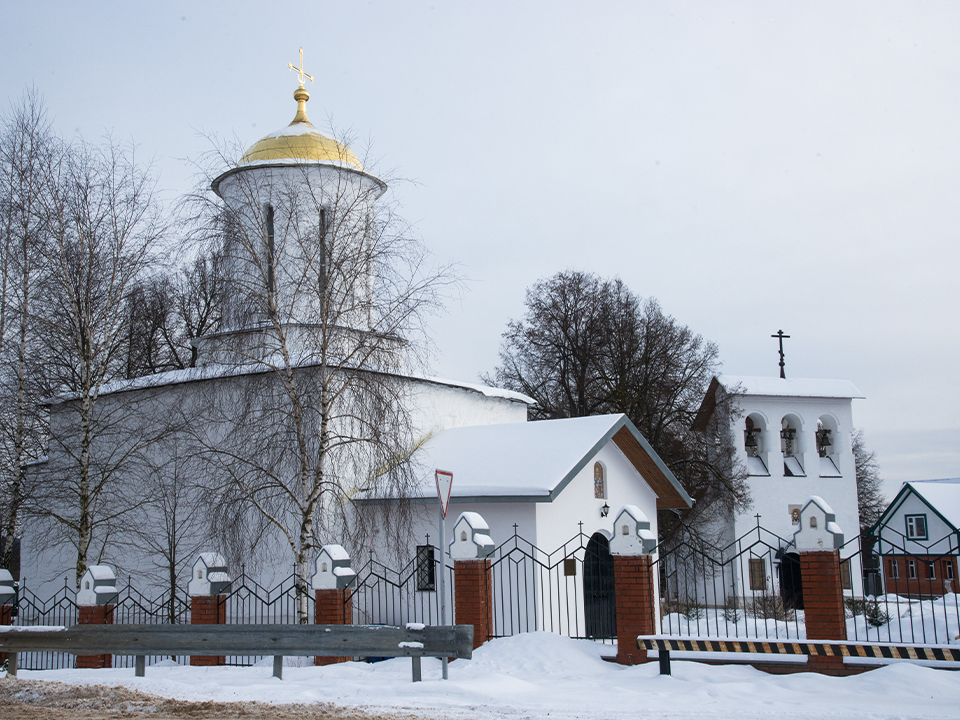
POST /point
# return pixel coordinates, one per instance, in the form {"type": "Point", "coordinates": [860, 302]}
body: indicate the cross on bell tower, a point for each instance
{"type": "Point", "coordinates": [781, 336]}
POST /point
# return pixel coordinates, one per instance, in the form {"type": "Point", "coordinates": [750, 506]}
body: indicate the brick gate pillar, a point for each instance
{"type": "Point", "coordinates": [95, 602]}
{"type": "Point", "coordinates": [208, 603]}
{"type": "Point", "coordinates": [473, 597]}
{"type": "Point", "coordinates": [818, 541]}
{"type": "Point", "coordinates": [634, 586]}
{"type": "Point", "coordinates": [331, 587]}
{"type": "Point", "coordinates": [470, 550]}
{"type": "Point", "coordinates": [8, 596]}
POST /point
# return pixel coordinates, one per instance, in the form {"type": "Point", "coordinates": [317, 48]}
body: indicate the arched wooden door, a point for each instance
{"type": "Point", "coordinates": [599, 600]}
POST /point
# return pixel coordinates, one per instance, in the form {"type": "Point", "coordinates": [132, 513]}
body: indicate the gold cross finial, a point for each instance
{"type": "Point", "coordinates": [299, 70]}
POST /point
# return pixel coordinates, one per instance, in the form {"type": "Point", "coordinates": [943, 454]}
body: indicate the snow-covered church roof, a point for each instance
{"type": "Point", "coordinates": [788, 387]}
{"type": "Point", "coordinates": [745, 385]}
{"type": "Point", "coordinates": [534, 461]}
{"type": "Point", "coordinates": [213, 372]}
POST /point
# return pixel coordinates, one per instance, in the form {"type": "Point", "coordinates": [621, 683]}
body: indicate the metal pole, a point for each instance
{"type": "Point", "coordinates": [442, 566]}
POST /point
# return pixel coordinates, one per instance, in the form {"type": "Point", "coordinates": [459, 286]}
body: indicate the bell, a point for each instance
{"type": "Point", "coordinates": [751, 440]}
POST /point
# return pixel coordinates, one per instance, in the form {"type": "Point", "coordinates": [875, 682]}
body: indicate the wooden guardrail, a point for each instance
{"type": "Point", "coordinates": [664, 644]}
{"type": "Point", "coordinates": [413, 640]}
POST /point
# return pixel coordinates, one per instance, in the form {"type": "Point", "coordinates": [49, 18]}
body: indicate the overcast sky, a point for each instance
{"type": "Point", "coordinates": [753, 166]}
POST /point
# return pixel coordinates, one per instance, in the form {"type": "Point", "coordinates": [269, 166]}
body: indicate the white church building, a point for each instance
{"type": "Point", "coordinates": [543, 477]}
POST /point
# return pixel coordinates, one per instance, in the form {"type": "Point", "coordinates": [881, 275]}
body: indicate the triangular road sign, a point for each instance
{"type": "Point", "coordinates": [444, 484]}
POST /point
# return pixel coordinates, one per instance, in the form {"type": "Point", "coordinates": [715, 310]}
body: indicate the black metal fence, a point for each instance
{"type": "Point", "coordinates": [61, 609]}
{"type": "Point", "coordinates": [907, 592]}
{"type": "Point", "coordinates": [569, 591]}
{"type": "Point", "coordinates": [247, 602]}
{"type": "Point", "coordinates": [384, 596]}
{"type": "Point", "coordinates": [896, 590]}
{"type": "Point", "coordinates": [749, 588]}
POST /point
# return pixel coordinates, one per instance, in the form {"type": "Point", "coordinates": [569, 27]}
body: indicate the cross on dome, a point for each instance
{"type": "Point", "coordinates": [299, 71]}
{"type": "Point", "coordinates": [300, 141]}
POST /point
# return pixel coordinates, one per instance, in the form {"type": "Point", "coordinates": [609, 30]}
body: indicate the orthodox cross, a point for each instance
{"type": "Point", "coordinates": [299, 71]}
{"type": "Point", "coordinates": [781, 336]}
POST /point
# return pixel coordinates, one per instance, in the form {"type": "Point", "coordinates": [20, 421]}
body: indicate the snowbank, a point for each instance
{"type": "Point", "coordinates": [540, 675]}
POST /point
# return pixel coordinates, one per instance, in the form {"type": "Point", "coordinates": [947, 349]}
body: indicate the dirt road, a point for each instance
{"type": "Point", "coordinates": [37, 700]}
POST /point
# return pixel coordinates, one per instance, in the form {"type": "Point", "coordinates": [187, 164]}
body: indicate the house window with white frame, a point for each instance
{"type": "Point", "coordinates": [932, 569]}
{"type": "Point", "coordinates": [894, 569]}
{"type": "Point", "coordinates": [948, 569]}
{"type": "Point", "coordinates": [916, 527]}
{"type": "Point", "coordinates": [911, 569]}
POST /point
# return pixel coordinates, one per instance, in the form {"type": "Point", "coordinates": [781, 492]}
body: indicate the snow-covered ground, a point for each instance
{"type": "Point", "coordinates": [540, 675]}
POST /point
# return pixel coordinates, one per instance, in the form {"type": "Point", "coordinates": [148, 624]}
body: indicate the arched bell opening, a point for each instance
{"type": "Point", "coordinates": [790, 446]}
{"type": "Point", "coordinates": [755, 444]}
{"type": "Point", "coordinates": [828, 446]}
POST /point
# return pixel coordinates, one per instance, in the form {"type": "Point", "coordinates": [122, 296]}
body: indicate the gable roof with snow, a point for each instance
{"type": "Point", "coordinates": [535, 461]}
{"type": "Point", "coordinates": [941, 496]}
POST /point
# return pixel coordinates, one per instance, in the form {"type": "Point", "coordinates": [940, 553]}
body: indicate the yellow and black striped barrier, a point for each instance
{"type": "Point", "coordinates": [824, 648]}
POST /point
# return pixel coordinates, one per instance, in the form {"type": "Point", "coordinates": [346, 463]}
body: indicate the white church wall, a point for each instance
{"type": "Point", "coordinates": [558, 522]}
{"type": "Point", "coordinates": [439, 405]}
{"type": "Point", "coordinates": [125, 458]}
{"type": "Point", "coordinates": [773, 495]}
{"type": "Point", "coordinates": [45, 569]}
{"type": "Point", "coordinates": [501, 518]}
{"type": "Point", "coordinates": [808, 411]}
{"type": "Point", "coordinates": [173, 413]}
{"type": "Point", "coordinates": [296, 194]}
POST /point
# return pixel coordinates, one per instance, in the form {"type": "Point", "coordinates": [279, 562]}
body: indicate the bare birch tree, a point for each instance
{"type": "Point", "coordinates": [27, 148]}
{"type": "Point", "coordinates": [103, 226]}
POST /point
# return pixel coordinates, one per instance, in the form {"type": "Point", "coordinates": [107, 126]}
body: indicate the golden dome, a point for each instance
{"type": "Point", "coordinates": [300, 142]}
